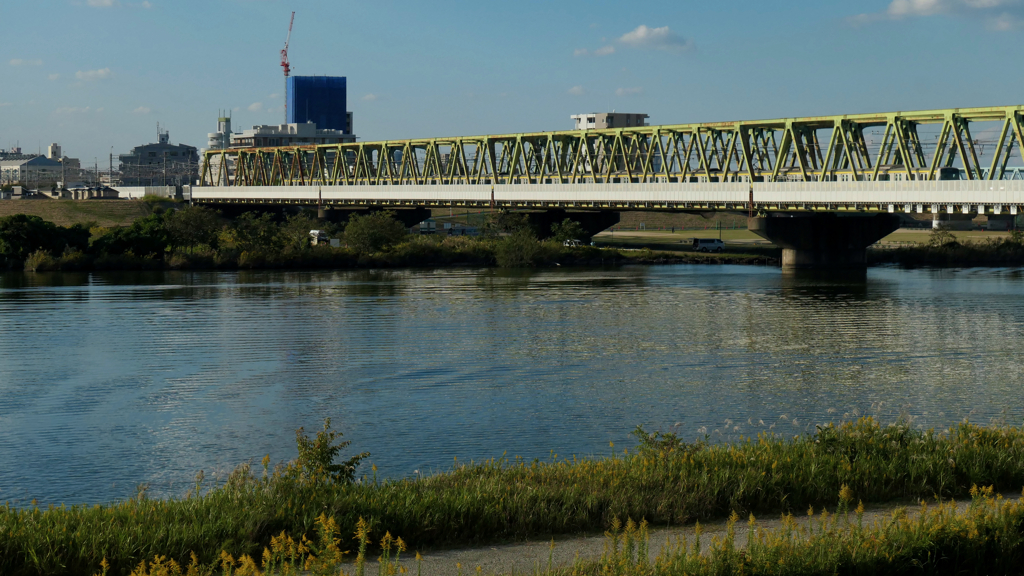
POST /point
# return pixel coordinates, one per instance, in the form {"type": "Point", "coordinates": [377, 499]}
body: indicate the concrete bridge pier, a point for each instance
{"type": "Point", "coordinates": [824, 241]}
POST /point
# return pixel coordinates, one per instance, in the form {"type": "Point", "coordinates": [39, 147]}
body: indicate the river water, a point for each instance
{"type": "Point", "coordinates": [111, 380]}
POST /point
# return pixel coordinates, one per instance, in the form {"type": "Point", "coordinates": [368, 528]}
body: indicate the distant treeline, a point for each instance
{"type": "Point", "coordinates": [198, 237]}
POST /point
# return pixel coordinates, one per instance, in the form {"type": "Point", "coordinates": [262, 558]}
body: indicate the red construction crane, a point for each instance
{"type": "Point", "coordinates": [286, 65]}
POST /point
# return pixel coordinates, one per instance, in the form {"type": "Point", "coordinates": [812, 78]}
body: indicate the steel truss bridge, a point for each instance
{"type": "Point", "coordinates": [819, 167]}
{"type": "Point", "coordinates": [764, 151]}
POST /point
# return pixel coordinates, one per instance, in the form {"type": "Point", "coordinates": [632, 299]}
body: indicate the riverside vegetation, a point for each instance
{"type": "Point", "coordinates": [944, 249]}
{"type": "Point", "coordinates": [249, 520]}
{"type": "Point", "coordinates": [987, 538]}
{"type": "Point", "coordinates": [197, 237]}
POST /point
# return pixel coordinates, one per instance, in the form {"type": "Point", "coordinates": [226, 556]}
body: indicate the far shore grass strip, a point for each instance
{"type": "Point", "coordinates": [665, 481]}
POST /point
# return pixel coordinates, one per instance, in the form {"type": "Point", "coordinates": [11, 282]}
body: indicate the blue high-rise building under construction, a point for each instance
{"type": "Point", "coordinates": [319, 99]}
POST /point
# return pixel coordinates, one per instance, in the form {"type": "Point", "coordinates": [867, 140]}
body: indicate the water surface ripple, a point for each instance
{"type": "Point", "coordinates": [108, 381]}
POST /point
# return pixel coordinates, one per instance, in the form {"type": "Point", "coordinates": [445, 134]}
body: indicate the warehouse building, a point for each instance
{"type": "Point", "coordinates": [33, 172]}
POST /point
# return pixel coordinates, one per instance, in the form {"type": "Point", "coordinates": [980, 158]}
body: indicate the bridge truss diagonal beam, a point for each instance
{"type": "Point", "coordinates": [811, 149]}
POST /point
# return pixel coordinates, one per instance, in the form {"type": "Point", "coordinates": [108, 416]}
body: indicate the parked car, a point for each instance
{"type": "Point", "coordinates": [708, 245]}
{"type": "Point", "coordinates": [574, 243]}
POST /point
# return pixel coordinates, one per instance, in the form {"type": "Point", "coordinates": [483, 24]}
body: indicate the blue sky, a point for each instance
{"type": "Point", "coordinates": [99, 74]}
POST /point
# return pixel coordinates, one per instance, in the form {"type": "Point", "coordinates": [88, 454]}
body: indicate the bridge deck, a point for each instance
{"type": "Point", "coordinates": [985, 197]}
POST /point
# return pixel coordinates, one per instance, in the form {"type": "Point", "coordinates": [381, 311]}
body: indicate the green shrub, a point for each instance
{"type": "Point", "coordinates": [197, 257]}
{"type": "Point", "coordinates": [569, 229]}
{"type": "Point", "coordinates": [21, 235]}
{"type": "Point", "coordinates": [505, 222]}
{"type": "Point", "coordinates": [256, 232]}
{"type": "Point", "coordinates": [40, 261]}
{"type": "Point", "coordinates": [517, 250]}
{"type": "Point", "coordinates": [145, 236]}
{"type": "Point", "coordinates": [941, 237]}
{"type": "Point", "coordinates": [193, 226]}
{"type": "Point", "coordinates": [317, 455]}
{"type": "Point", "coordinates": [374, 231]}
{"type": "Point", "coordinates": [295, 231]}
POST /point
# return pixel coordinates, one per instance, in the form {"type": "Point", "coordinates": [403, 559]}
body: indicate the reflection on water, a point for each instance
{"type": "Point", "coordinates": [108, 381]}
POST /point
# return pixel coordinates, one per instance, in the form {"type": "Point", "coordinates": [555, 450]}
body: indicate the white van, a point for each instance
{"type": "Point", "coordinates": [708, 245]}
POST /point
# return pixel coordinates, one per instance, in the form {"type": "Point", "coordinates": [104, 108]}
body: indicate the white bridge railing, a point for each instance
{"type": "Point", "coordinates": [948, 196]}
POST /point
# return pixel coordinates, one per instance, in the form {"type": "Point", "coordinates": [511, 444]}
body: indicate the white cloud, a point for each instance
{"type": "Point", "coordinates": [629, 91]}
{"type": "Point", "coordinates": [604, 50]}
{"type": "Point", "coordinates": [142, 110]}
{"type": "Point", "coordinates": [255, 106]}
{"type": "Point", "coordinates": [998, 13]}
{"type": "Point", "coordinates": [580, 52]}
{"type": "Point", "coordinates": [1006, 21]}
{"type": "Point", "coordinates": [53, 76]}
{"type": "Point", "coordinates": [274, 96]}
{"type": "Point", "coordinates": [23, 62]}
{"type": "Point", "coordinates": [661, 38]}
{"type": "Point", "coordinates": [370, 97]}
{"type": "Point", "coordinates": [72, 110]}
{"type": "Point", "coordinates": [899, 8]}
{"type": "Point", "coordinates": [4, 104]}
{"type": "Point", "coordinates": [577, 91]}
{"type": "Point", "coordinates": [92, 75]}
{"type": "Point", "coordinates": [115, 4]}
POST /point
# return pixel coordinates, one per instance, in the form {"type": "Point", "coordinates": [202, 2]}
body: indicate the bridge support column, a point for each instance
{"type": "Point", "coordinates": [822, 241]}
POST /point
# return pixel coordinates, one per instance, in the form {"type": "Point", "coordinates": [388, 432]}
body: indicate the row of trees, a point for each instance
{"type": "Point", "coordinates": [193, 232]}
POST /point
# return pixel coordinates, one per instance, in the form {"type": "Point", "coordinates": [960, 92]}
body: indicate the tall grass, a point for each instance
{"type": "Point", "coordinates": [986, 538]}
{"type": "Point", "coordinates": [665, 481]}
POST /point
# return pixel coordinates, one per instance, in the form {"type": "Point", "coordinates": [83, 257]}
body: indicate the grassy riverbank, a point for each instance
{"type": "Point", "coordinates": [664, 481]}
{"type": "Point", "coordinates": [984, 537]}
{"type": "Point", "coordinates": [943, 249]}
{"type": "Point", "coordinates": [107, 213]}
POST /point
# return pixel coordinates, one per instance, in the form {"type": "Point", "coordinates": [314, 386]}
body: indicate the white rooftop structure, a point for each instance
{"type": "Point", "coordinates": [602, 120]}
{"type": "Point", "coordinates": [305, 134]}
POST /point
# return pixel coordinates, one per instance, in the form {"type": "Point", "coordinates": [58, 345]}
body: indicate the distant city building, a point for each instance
{"type": "Point", "coordinates": [15, 154]}
{"type": "Point", "coordinates": [305, 134]}
{"type": "Point", "coordinates": [602, 120]}
{"type": "Point", "coordinates": [34, 172]}
{"type": "Point", "coordinates": [220, 139]}
{"type": "Point", "coordinates": [160, 164]}
{"type": "Point", "coordinates": [322, 100]}
{"type": "Point", "coordinates": [72, 166]}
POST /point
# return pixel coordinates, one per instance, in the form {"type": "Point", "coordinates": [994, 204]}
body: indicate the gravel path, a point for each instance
{"type": "Point", "coordinates": [526, 557]}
